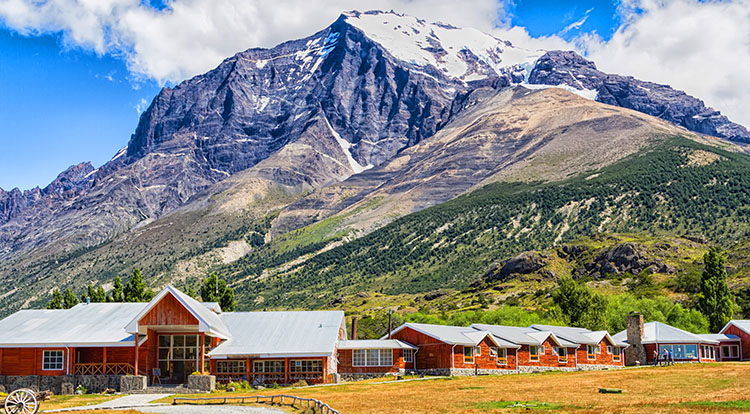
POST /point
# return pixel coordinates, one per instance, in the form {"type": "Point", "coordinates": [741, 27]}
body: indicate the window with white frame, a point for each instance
{"type": "Point", "coordinates": [477, 350]}
{"type": "Point", "coordinates": [306, 365]}
{"type": "Point", "coordinates": [730, 351]}
{"type": "Point", "coordinates": [541, 350]}
{"type": "Point", "coordinates": [562, 354]}
{"type": "Point", "coordinates": [408, 355]}
{"type": "Point", "coordinates": [616, 353]}
{"type": "Point", "coordinates": [230, 367]}
{"type": "Point", "coordinates": [555, 350]}
{"type": "Point", "coordinates": [372, 357]}
{"type": "Point", "coordinates": [590, 352]}
{"type": "Point", "coordinates": [468, 354]}
{"type": "Point", "coordinates": [609, 349]}
{"type": "Point", "coordinates": [53, 360]}
{"type": "Point", "coordinates": [598, 349]}
{"type": "Point", "coordinates": [502, 356]}
{"type": "Point", "coordinates": [534, 353]}
{"type": "Point", "coordinates": [268, 366]}
{"type": "Point", "coordinates": [493, 352]}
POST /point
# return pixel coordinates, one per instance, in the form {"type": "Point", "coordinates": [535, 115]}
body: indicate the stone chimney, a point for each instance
{"type": "Point", "coordinates": [635, 353]}
{"type": "Point", "coordinates": [354, 327]}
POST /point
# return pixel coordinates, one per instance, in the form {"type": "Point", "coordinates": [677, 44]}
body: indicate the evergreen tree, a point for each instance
{"type": "Point", "coordinates": [216, 290]}
{"type": "Point", "coordinates": [135, 290]}
{"type": "Point", "coordinates": [190, 292]}
{"type": "Point", "coordinates": [715, 300]}
{"type": "Point", "coordinates": [69, 299]}
{"type": "Point", "coordinates": [118, 294]}
{"type": "Point", "coordinates": [57, 300]}
{"type": "Point", "coordinates": [99, 295]}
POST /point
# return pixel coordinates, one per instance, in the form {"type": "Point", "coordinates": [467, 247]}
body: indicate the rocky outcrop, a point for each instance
{"type": "Point", "coordinates": [522, 264]}
{"type": "Point", "coordinates": [569, 68]}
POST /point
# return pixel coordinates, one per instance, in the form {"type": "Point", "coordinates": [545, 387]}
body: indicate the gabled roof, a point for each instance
{"type": "Point", "coordinates": [661, 333]}
{"type": "Point", "coordinates": [269, 334]}
{"type": "Point", "coordinates": [523, 336]}
{"type": "Point", "coordinates": [375, 344]}
{"type": "Point", "coordinates": [94, 324]}
{"type": "Point", "coordinates": [456, 335]}
{"type": "Point", "coordinates": [208, 321]}
{"type": "Point", "coordinates": [578, 335]}
{"type": "Point", "coordinates": [742, 324]}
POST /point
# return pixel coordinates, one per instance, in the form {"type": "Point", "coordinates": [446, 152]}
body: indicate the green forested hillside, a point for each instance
{"type": "Point", "coordinates": [675, 187]}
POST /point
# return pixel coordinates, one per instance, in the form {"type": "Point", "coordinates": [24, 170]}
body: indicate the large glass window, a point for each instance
{"type": "Point", "coordinates": [230, 367]}
{"type": "Point", "coordinates": [730, 351]}
{"type": "Point", "coordinates": [306, 365]}
{"type": "Point", "coordinates": [372, 357]}
{"type": "Point", "coordinates": [502, 356]}
{"type": "Point", "coordinates": [562, 354]}
{"type": "Point", "coordinates": [268, 367]}
{"type": "Point", "coordinates": [590, 352]}
{"type": "Point", "coordinates": [53, 360]}
{"type": "Point", "coordinates": [681, 351]}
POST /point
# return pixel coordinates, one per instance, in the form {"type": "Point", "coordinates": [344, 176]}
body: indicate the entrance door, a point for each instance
{"type": "Point", "coordinates": [178, 357]}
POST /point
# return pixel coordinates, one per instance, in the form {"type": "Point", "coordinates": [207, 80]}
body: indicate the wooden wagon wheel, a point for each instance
{"type": "Point", "coordinates": [21, 402]}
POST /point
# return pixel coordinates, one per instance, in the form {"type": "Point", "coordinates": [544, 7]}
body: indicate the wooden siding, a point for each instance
{"type": "Point", "coordinates": [28, 361]}
{"type": "Point", "coordinates": [744, 340]}
{"type": "Point", "coordinates": [169, 311]}
{"type": "Point", "coordinates": [603, 357]}
{"type": "Point", "coordinates": [346, 366]}
{"type": "Point", "coordinates": [546, 359]}
{"type": "Point", "coordinates": [433, 354]}
{"type": "Point", "coordinates": [484, 360]}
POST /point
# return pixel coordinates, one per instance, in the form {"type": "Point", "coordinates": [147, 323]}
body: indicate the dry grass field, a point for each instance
{"type": "Point", "coordinates": [686, 388]}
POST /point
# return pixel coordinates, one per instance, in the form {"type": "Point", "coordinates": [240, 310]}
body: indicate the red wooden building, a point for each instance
{"type": "Point", "coordinates": [656, 337]}
{"type": "Point", "coordinates": [368, 358]}
{"type": "Point", "coordinates": [739, 349]}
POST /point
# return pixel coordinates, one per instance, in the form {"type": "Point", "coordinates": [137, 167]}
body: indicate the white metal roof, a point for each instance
{"type": "Point", "coordinates": [578, 335]}
{"type": "Point", "coordinates": [523, 336]}
{"type": "Point", "coordinates": [456, 335]}
{"type": "Point", "coordinates": [721, 337]}
{"type": "Point", "coordinates": [661, 333]}
{"type": "Point", "coordinates": [375, 344]}
{"type": "Point", "coordinates": [269, 334]}
{"type": "Point", "coordinates": [208, 321]}
{"type": "Point", "coordinates": [82, 325]}
{"type": "Point", "coordinates": [743, 324]}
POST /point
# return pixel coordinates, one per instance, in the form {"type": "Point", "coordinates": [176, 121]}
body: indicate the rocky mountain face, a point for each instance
{"type": "Point", "coordinates": [569, 68]}
{"type": "Point", "coordinates": [377, 116]}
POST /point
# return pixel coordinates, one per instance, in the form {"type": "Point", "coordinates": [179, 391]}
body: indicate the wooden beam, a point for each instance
{"type": "Point", "coordinates": [136, 353]}
{"type": "Point", "coordinates": [1, 361]}
{"type": "Point", "coordinates": [286, 370]}
{"type": "Point", "coordinates": [248, 371]}
{"type": "Point", "coordinates": [203, 353]}
{"type": "Point", "coordinates": [104, 362]}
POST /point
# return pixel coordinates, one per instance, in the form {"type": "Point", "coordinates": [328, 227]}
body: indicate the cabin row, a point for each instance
{"type": "Point", "coordinates": [173, 336]}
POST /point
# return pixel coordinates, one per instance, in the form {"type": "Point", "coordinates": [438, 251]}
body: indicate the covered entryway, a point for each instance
{"type": "Point", "coordinates": [179, 356]}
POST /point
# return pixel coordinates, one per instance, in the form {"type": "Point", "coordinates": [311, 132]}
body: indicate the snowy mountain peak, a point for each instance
{"type": "Point", "coordinates": [463, 53]}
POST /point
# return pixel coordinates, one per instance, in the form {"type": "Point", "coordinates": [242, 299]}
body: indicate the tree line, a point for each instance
{"type": "Point", "coordinates": [212, 289]}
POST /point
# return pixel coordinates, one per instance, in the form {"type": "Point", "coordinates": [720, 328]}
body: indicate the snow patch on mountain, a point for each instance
{"type": "Point", "coordinates": [585, 93]}
{"type": "Point", "coordinates": [464, 53]}
{"type": "Point", "coordinates": [346, 146]}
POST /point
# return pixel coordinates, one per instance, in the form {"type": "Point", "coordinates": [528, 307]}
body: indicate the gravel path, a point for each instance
{"type": "Point", "coordinates": [208, 409]}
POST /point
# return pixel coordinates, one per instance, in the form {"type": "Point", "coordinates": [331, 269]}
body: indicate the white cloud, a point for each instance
{"type": "Point", "coordinates": [577, 24]}
{"type": "Point", "coordinates": [701, 47]}
{"type": "Point", "coordinates": [142, 106]}
{"type": "Point", "coordinates": [193, 36]}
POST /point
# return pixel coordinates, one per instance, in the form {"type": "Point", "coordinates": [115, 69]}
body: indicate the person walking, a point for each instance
{"type": "Point", "coordinates": [656, 357]}
{"type": "Point", "coordinates": [665, 357]}
{"type": "Point", "coordinates": [671, 357]}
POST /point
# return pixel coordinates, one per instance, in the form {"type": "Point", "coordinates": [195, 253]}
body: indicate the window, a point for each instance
{"type": "Point", "coordinates": [408, 355]}
{"type": "Point", "coordinates": [468, 354]}
{"type": "Point", "coordinates": [616, 353]}
{"type": "Point", "coordinates": [534, 353]}
{"type": "Point", "coordinates": [230, 367]}
{"type": "Point", "coordinates": [268, 367]}
{"type": "Point", "coordinates": [591, 352]}
{"type": "Point", "coordinates": [53, 361]}
{"type": "Point", "coordinates": [541, 350]}
{"type": "Point", "coordinates": [609, 350]}
{"type": "Point", "coordinates": [372, 357]}
{"type": "Point", "coordinates": [493, 352]}
{"type": "Point", "coordinates": [730, 351]}
{"type": "Point", "coordinates": [477, 350]}
{"type": "Point", "coordinates": [680, 351]}
{"type": "Point", "coordinates": [598, 349]}
{"type": "Point", "coordinates": [562, 354]}
{"type": "Point", "coordinates": [555, 350]}
{"type": "Point", "coordinates": [306, 365]}
{"type": "Point", "coordinates": [502, 356]}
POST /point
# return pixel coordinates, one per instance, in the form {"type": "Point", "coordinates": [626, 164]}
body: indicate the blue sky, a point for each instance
{"type": "Point", "coordinates": [72, 83]}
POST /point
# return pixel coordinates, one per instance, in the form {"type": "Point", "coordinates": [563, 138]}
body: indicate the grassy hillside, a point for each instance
{"type": "Point", "coordinates": [676, 187]}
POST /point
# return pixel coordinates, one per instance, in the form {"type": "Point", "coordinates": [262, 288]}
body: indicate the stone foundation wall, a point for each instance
{"type": "Point", "coordinates": [61, 384]}
{"type": "Point", "coordinates": [205, 383]}
{"type": "Point", "coordinates": [130, 383]}
{"type": "Point", "coordinates": [468, 372]}
{"type": "Point", "coordinates": [369, 375]}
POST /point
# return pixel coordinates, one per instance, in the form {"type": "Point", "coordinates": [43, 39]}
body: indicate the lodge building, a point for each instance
{"type": "Point", "coordinates": [129, 346]}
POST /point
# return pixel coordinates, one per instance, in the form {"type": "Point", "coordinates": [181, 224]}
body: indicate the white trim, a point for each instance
{"type": "Point", "coordinates": [62, 363]}
{"type": "Point", "coordinates": [72, 345]}
{"type": "Point", "coordinates": [266, 356]}
{"type": "Point", "coordinates": [732, 322]}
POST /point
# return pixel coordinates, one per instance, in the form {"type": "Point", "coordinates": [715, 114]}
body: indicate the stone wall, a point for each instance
{"type": "Point", "coordinates": [370, 375]}
{"type": "Point", "coordinates": [205, 383]}
{"type": "Point", "coordinates": [61, 384]}
{"type": "Point", "coordinates": [635, 354]}
{"type": "Point", "coordinates": [130, 383]}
